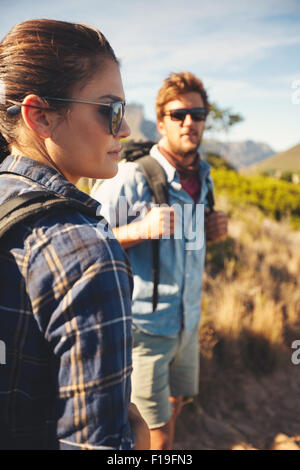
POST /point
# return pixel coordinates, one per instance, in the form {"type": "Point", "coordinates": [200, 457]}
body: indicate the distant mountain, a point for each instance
{"type": "Point", "coordinates": [283, 161]}
{"type": "Point", "coordinates": [239, 154]}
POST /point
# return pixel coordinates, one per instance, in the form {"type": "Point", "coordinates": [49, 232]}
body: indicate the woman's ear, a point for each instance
{"type": "Point", "coordinates": [35, 115]}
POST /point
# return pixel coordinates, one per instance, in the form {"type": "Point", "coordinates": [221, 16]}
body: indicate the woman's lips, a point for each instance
{"type": "Point", "coordinates": [115, 153]}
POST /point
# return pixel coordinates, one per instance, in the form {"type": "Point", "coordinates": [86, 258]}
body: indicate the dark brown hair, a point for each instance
{"type": "Point", "coordinates": [177, 84]}
{"type": "Point", "coordinates": [46, 58]}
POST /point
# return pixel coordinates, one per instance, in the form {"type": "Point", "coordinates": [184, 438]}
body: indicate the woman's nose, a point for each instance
{"type": "Point", "coordinates": [124, 131]}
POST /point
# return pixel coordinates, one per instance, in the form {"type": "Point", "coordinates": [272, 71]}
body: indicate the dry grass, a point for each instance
{"type": "Point", "coordinates": [251, 315]}
{"type": "Point", "coordinates": [252, 279]}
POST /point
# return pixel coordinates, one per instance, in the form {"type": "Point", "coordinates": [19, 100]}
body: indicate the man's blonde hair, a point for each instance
{"type": "Point", "coordinates": [177, 84]}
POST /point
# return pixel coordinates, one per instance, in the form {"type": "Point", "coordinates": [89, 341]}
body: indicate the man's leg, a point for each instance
{"type": "Point", "coordinates": [164, 370]}
{"type": "Point", "coordinates": [162, 438]}
{"type": "Point", "coordinates": [151, 358]}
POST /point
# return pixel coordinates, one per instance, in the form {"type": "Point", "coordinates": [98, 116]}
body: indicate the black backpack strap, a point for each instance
{"type": "Point", "coordinates": [156, 179]}
{"type": "Point", "coordinates": [19, 208]}
{"type": "Point", "coordinates": [158, 185]}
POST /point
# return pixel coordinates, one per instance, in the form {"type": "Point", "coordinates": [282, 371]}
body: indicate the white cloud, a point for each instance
{"type": "Point", "coordinates": [287, 80]}
{"type": "Point", "coordinates": [194, 38]}
{"type": "Point", "coordinates": [235, 90]}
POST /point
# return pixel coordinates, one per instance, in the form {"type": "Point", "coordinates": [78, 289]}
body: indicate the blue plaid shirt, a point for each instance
{"type": "Point", "coordinates": [65, 320]}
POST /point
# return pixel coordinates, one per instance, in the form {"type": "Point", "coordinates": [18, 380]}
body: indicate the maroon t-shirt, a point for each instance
{"type": "Point", "coordinates": [192, 187]}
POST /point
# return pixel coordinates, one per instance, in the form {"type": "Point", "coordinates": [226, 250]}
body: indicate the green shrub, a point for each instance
{"type": "Point", "coordinates": [275, 198]}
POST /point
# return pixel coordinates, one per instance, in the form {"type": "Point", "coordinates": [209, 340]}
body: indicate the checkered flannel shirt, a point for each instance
{"type": "Point", "coordinates": [65, 321]}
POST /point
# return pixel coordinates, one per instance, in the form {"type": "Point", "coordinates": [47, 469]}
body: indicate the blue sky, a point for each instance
{"type": "Point", "coordinates": [247, 53]}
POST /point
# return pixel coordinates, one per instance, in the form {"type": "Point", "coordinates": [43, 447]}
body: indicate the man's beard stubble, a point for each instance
{"type": "Point", "coordinates": [186, 155]}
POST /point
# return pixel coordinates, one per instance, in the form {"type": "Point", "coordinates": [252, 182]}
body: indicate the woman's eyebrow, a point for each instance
{"type": "Point", "coordinates": [112, 97]}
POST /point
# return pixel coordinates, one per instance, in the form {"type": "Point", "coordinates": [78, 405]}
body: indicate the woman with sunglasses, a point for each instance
{"type": "Point", "coordinates": [65, 285]}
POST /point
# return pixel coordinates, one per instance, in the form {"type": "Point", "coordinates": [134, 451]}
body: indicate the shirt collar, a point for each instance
{"type": "Point", "coordinates": [170, 170]}
{"type": "Point", "coordinates": [46, 177]}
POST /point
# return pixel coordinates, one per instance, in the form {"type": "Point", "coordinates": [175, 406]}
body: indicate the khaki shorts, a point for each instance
{"type": "Point", "coordinates": [163, 367]}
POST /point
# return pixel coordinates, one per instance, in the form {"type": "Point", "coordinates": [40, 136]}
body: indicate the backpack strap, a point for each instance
{"type": "Point", "coordinates": [158, 185]}
{"type": "Point", "coordinates": [32, 203]}
{"type": "Point", "coordinates": [156, 179]}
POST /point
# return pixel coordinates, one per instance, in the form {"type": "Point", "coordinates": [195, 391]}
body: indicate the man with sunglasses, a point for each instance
{"type": "Point", "coordinates": [166, 349]}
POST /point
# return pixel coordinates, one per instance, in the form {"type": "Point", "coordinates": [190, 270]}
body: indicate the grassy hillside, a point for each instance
{"type": "Point", "coordinates": [283, 161]}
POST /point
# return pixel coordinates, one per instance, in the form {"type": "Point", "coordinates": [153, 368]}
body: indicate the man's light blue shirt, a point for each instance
{"type": "Point", "coordinates": [182, 256]}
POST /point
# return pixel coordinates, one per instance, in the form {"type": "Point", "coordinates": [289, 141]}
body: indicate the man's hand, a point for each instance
{"type": "Point", "coordinates": [158, 222]}
{"type": "Point", "coordinates": [216, 226]}
{"type": "Point", "coordinates": [139, 427]}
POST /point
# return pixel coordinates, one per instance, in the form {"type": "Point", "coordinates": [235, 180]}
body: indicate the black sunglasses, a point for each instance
{"type": "Point", "coordinates": [116, 110]}
{"type": "Point", "coordinates": [197, 114]}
